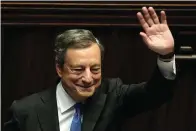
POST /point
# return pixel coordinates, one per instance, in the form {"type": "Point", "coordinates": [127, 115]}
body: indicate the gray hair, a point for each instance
{"type": "Point", "coordinates": [74, 38]}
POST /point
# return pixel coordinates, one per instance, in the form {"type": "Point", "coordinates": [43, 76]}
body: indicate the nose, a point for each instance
{"type": "Point", "coordinates": [87, 77]}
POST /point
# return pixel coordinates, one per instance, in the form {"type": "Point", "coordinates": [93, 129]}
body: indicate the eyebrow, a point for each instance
{"type": "Point", "coordinates": [78, 65]}
{"type": "Point", "coordinates": [99, 65]}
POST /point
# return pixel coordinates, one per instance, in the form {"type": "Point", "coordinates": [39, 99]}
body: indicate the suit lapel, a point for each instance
{"type": "Point", "coordinates": [47, 111]}
{"type": "Point", "coordinates": [92, 110]}
{"type": "Point", "coordinates": [48, 115]}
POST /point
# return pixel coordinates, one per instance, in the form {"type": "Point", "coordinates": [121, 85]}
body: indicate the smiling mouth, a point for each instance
{"type": "Point", "coordinates": [85, 86]}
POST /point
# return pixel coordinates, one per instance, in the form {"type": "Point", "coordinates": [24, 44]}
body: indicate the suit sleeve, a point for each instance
{"type": "Point", "coordinates": [137, 98]}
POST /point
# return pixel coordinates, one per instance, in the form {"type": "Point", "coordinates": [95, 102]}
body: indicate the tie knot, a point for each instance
{"type": "Point", "coordinates": [77, 106]}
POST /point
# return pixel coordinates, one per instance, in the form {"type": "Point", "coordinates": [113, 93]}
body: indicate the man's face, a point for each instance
{"type": "Point", "coordinates": [81, 73]}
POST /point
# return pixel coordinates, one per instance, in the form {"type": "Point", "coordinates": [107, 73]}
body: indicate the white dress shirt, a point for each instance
{"type": "Point", "coordinates": [65, 108]}
{"type": "Point", "coordinates": [168, 69]}
{"type": "Point", "coordinates": [65, 103]}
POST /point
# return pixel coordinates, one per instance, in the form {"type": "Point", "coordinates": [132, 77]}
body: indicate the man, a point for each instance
{"type": "Point", "coordinates": [83, 100]}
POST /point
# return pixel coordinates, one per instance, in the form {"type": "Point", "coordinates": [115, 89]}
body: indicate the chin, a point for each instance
{"type": "Point", "coordinates": [85, 92]}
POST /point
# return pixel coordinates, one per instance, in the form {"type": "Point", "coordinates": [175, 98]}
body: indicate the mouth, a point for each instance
{"type": "Point", "coordinates": [86, 87]}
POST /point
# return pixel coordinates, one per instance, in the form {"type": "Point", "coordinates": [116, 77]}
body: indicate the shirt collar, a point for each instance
{"type": "Point", "coordinates": [64, 101]}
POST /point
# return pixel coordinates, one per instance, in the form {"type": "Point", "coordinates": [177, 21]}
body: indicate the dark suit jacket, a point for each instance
{"type": "Point", "coordinates": [104, 111]}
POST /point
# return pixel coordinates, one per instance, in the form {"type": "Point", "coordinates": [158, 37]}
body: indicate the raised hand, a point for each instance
{"type": "Point", "coordinates": [157, 34]}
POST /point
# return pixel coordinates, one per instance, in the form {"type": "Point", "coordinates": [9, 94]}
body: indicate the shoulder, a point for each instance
{"type": "Point", "coordinates": [110, 84]}
{"type": "Point", "coordinates": [117, 85]}
{"type": "Point", "coordinates": [23, 104]}
{"type": "Point", "coordinates": [112, 81]}
{"type": "Point", "coordinates": [28, 102]}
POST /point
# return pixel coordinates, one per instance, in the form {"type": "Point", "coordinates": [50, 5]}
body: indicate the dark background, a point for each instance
{"type": "Point", "coordinates": [29, 30]}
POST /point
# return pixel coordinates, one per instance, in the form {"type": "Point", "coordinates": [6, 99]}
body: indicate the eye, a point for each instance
{"type": "Point", "coordinates": [77, 70]}
{"type": "Point", "coordinates": [95, 70]}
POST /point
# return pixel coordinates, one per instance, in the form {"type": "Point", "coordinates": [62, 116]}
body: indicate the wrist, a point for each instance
{"type": "Point", "coordinates": [168, 57]}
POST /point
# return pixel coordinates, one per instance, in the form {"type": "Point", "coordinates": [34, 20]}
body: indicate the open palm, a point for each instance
{"type": "Point", "coordinates": [157, 36]}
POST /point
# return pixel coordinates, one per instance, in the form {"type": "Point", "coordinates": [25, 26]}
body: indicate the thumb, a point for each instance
{"type": "Point", "coordinates": [145, 38]}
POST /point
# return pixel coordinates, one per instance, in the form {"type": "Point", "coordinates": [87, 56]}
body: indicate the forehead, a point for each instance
{"type": "Point", "coordinates": [89, 55]}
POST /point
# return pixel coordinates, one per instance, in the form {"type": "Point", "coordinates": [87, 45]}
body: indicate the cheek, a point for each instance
{"type": "Point", "coordinates": [69, 79]}
{"type": "Point", "coordinates": [97, 80]}
{"type": "Point", "coordinates": [73, 79]}
{"type": "Point", "coordinates": [97, 77]}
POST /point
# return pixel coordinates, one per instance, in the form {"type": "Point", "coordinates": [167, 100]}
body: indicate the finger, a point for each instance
{"type": "Point", "coordinates": [163, 17]}
{"type": "Point", "coordinates": [142, 21]}
{"type": "Point", "coordinates": [147, 16]}
{"type": "Point", "coordinates": [145, 38]}
{"type": "Point", "coordinates": [154, 15]}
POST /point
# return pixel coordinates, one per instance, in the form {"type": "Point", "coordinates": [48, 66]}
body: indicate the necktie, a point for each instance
{"type": "Point", "coordinates": [76, 122]}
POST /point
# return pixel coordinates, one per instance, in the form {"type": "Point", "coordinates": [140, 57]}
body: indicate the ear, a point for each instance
{"type": "Point", "coordinates": [59, 70]}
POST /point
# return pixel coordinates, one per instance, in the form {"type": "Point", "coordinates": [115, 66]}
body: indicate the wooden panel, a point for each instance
{"type": "Point", "coordinates": [92, 13]}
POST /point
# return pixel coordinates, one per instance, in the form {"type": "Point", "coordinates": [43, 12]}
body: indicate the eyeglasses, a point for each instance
{"type": "Point", "coordinates": [80, 70]}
